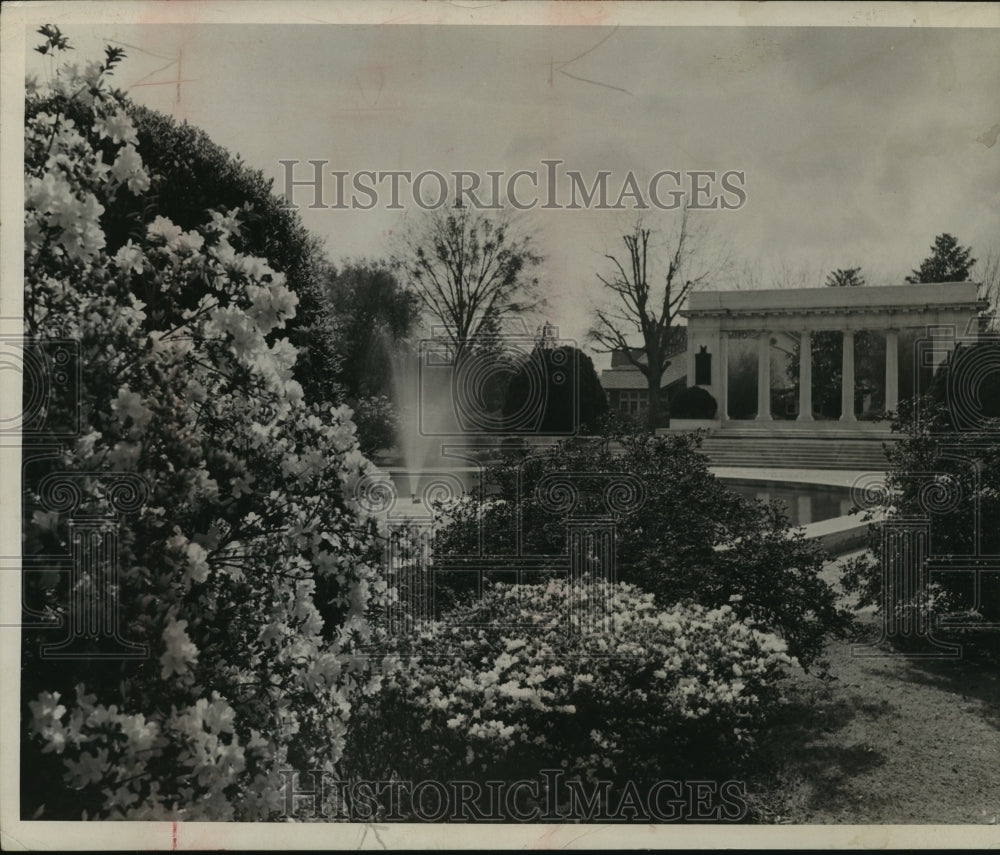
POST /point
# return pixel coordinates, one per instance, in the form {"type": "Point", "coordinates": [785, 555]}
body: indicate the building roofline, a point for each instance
{"type": "Point", "coordinates": [867, 298]}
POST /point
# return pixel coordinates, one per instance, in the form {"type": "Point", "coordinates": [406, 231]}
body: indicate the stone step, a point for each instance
{"type": "Point", "coordinates": [728, 448]}
{"type": "Point", "coordinates": [792, 429]}
{"type": "Point", "coordinates": [799, 454]}
{"type": "Point", "coordinates": [845, 445]}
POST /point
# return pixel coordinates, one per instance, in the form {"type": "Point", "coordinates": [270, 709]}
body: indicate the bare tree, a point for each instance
{"type": "Point", "coordinates": [471, 271]}
{"type": "Point", "coordinates": [987, 274]}
{"type": "Point", "coordinates": [788, 274]}
{"type": "Point", "coordinates": [643, 308]}
{"type": "Point", "coordinates": [775, 273]}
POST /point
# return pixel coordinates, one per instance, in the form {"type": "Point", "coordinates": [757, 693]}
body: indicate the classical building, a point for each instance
{"type": "Point", "coordinates": [927, 319]}
{"type": "Point", "coordinates": [830, 363]}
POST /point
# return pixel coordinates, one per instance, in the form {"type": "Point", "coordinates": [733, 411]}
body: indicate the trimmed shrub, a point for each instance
{"type": "Point", "coordinates": [694, 403]}
{"type": "Point", "coordinates": [572, 399]}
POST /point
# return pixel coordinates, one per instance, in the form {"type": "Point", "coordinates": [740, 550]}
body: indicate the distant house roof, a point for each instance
{"type": "Point", "coordinates": [619, 359]}
{"type": "Point", "coordinates": [615, 379]}
{"type": "Point", "coordinates": [678, 343]}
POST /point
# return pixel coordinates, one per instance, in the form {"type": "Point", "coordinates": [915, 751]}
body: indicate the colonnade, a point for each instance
{"type": "Point", "coordinates": [805, 375]}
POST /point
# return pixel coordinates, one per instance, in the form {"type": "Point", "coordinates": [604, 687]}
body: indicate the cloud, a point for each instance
{"type": "Point", "coordinates": [859, 145]}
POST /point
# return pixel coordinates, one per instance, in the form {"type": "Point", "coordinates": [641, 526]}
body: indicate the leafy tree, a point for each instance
{"type": "Point", "coordinates": [471, 270]}
{"type": "Point", "coordinates": [691, 538]}
{"type": "Point", "coordinates": [941, 469]}
{"type": "Point", "coordinates": [377, 421]}
{"type": "Point", "coordinates": [571, 397]}
{"type": "Point", "coordinates": [371, 318]}
{"type": "Point", "coordinates": [492, 359]}
{"type": "Point", "coordinates": [641, 307]}
{"type": "Point", "coordinates": [948, 262]}
{"type": "Point", "coordinates": [373, 315]}
{"type": "Point", "coordinates": [195, 174]}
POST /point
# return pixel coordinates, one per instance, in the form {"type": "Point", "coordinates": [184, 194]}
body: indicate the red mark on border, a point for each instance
{"type": "Point", "coordinates": [174, 836]}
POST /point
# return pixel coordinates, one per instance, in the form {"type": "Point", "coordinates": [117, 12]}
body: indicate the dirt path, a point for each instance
{"type": "Point", "coordinates": [885, 740]}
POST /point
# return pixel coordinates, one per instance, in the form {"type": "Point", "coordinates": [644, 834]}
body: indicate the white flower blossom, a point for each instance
{"type": "Point", "coordinates": [180, 653]}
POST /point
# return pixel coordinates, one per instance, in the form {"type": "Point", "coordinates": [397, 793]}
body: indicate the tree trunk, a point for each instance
{"type": "Point", "coordinates": [658, 412]}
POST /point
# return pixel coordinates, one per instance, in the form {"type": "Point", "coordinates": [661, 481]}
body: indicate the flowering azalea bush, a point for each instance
{"type": "Point", "coordinates": [523, 681]}
{"type": "Point", "coordinates": [691, 537]}
{"type": "Point", "coordinates": [248, 569]}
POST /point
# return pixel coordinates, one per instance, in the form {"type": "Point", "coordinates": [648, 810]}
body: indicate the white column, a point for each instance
{"type": "Point", "coordinates": [723, 359]}
{"type": "Point", "coordinates": [805, 378]}
{"type": "Point", "coordinates": [891, 371]}
{"type": "Point", "coordinates": [940, 340]}
{"type": "Point", "coordinates": [847, 386]}
{"type": "Point", "coordinates": [690, 358]}
{"type": "Point", "coordinates": [713, 352]}
{"type": "Point", "coordinates": [764, 376]}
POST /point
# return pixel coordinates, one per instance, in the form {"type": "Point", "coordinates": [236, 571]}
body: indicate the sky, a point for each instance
{"type": "Point", "coordinates": [858, 145]}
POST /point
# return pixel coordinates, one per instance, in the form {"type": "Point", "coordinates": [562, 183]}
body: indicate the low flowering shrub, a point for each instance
{"type": "Point", "coordinates": [522, 681]}
{"type": "Point", "coordinates": [248, 567]}
{"type": "Point", "coordinates": [692, 538]}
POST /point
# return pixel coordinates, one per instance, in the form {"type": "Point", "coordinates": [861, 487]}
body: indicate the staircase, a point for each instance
{"type": "Point", "coordinates": [783, 446]}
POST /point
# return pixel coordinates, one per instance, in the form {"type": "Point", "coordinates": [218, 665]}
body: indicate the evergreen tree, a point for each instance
{"type": "Point", "coordinates": [948, 262]}
{"type": "Point", "coordinates": [846, 277]}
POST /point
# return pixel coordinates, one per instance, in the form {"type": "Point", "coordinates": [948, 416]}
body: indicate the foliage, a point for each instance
{"type": "Point", "coordinates": [197, 174]}
{"type": "Point", "coordinates": [190, 174]}
{"type": "Point", "coordinates": [514, 685]}
{"type": "Point", "coordinates": [695, 403]}
{"type": "Point", "coordinates": [944, 467]}
{"type": "Point", "coordinates": [692, 538]}
{"type": "Point", "coordinates": [471, 270]}
{"type": "Point", "coordinates": [377, 421]}
{"type": "Point", "coordinates": [561, 385]}
{"type": "Point", "coordinates": [845, 277]}
{"type": "Point", "coordinates": [370, 317]}
{"type": "Point", "coordinates": [374, 314]}
{"type": "Point", "coordinates": [248, 570]}
{"type": "Point", "coordinates": [948, 262]}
